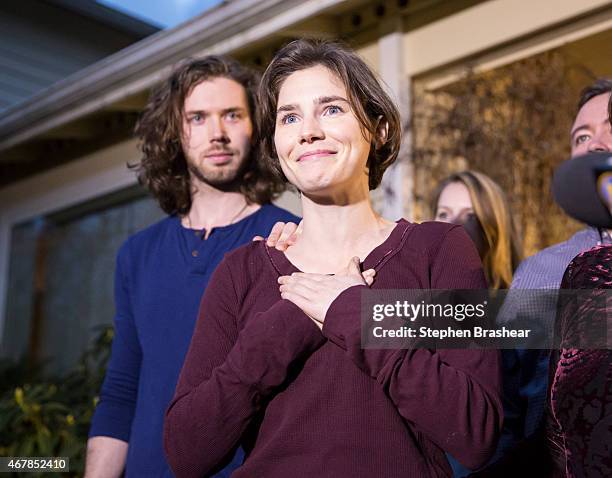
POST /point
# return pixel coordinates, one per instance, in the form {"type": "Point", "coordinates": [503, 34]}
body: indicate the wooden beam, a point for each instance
{"type": "Point", "coordinates": [324, 26]}
{"type": "Point", "coordinates": [134, 103]}
{"type": "Point", "coordinates": [94, 126]}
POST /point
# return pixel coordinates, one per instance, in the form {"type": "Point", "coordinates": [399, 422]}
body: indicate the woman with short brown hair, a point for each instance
{"type": "Point", "coordinates": [276, 362]}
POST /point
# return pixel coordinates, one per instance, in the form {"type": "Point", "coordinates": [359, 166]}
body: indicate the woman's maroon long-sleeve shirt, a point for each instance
{"type": "Point", "coordinates": [309, 403]}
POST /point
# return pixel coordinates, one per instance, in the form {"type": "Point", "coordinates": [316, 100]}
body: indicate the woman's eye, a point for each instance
{"type": "Point", "coordinates": [441, 215]}
{"type": "Point", "coordinates": [333, 110]}
{"type": "Point", "coordinates": [289, 119]}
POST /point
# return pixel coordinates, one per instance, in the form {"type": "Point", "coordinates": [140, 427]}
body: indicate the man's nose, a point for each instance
{"type": "Point", "coordinates": [599, 147]}
{"type": "Point", "coordinates": [216, 130]}
{"type": "Point", "coordinates": [602, 141]}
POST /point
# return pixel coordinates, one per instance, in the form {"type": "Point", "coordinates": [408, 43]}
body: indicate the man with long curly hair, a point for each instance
{"type": "Point", "coordinates": [198, 143]}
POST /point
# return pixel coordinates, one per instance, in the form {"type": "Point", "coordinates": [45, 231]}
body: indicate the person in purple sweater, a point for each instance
{"type": "Point", "coordinates": [196, 138]}
{"type": "Point", "coordinates": [276, 364]}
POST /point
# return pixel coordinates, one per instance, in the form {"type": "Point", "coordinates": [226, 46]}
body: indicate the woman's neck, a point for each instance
{"type": "Point", "coordinates": [333, 233]}
{"type": "Point", "coordinates": [337, 224]}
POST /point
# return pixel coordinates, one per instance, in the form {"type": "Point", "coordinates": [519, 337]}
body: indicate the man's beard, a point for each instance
{"type": "Point", "coordinates": [225, 178]}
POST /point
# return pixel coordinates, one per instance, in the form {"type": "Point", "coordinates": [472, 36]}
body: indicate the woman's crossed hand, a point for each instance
{"type": "Point", "coordinates": [314, 293]}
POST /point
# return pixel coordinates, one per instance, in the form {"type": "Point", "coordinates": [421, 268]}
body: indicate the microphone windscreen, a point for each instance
{"type": "Point", "coordinates": [604, 188]}
{"type": "Point", "coordinates": [576, 188]}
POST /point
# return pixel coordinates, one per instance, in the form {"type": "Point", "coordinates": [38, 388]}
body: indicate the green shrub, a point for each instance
{"type": "Point", "coordinates": [50, 416]}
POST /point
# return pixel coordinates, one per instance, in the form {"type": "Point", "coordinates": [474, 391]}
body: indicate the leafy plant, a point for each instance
{"type": "Point", "coordinates": [50, 416]}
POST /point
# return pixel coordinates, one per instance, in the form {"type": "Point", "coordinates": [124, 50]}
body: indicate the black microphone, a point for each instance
{"type": "Point", "coordinates": [582, 186]}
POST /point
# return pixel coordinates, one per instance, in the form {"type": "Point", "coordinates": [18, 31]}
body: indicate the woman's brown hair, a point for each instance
{"type": "Point", "coordinates": [163, 167]}
{"type": "Point", "coordinates": [369, 102]}
{"type": "Point", "coordinates": [492, 209]}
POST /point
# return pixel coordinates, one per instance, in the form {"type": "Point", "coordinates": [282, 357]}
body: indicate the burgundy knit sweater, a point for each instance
{"type": "Point", "coordinates": [309, 403]}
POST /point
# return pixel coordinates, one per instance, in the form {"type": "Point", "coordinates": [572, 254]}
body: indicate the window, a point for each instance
{"type": "Point", "coordinates": [60, 287]}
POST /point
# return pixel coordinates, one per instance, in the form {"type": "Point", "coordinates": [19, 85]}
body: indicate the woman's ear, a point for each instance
{"type": "Point", "coordinates": [382, 132]}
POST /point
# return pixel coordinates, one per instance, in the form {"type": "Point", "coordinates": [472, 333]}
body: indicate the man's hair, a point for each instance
{"type": "Point", "coordinates": [599, 87]}
{"type": "Point", "coordinates": [369, 102]}
{"type": "Point", "coordinates": [163, 167]}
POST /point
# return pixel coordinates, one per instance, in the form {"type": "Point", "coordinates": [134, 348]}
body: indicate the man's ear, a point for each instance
{"type": "Point", "coordinates": [382, 132]}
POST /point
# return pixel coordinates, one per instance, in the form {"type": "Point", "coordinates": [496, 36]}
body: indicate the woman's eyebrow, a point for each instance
{"type": "Point", "coordinates": [329, 99]}
{"type": "Point", "coordinates": [319, 101]}
{"type": "Point", "coordinates": [286, 108]}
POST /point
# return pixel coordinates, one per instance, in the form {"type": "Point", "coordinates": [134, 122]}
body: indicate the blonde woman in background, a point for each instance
{"type": "Point", "coordinates": [477, 202]}
{"type": "Point", "coordinates": [480, 205]}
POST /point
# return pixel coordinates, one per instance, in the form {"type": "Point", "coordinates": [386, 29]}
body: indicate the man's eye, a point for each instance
{"type": "Point", "coordinates": [233, 115]}
{"type": "Point", "coordinates": [582, 138]}
{"type": "Point", "coordinates": [197, 119]}
{"type": "Point", "coordinates": [289, 119]}
{"type": "Point", "coordinates": [441, 215]}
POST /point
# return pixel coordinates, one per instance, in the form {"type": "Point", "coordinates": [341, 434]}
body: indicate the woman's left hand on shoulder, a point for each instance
{"type": "Point", "coordinates": [314, 293]}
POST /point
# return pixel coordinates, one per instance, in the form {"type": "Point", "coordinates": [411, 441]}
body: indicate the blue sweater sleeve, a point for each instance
{"type": "Point", "coordinates": [115, 410]}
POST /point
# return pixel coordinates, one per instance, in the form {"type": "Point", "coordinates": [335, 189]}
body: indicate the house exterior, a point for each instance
{"type": "Point", "coordinates": [46, 41]}
{"type": "Point", "coordinates": [67, 199]}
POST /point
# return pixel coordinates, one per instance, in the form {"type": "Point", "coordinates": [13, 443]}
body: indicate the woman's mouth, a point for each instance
{"type": "Point", "coordinates": [316, 154]}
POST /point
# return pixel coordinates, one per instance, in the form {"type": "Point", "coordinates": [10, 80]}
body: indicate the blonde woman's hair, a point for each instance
{"type": "Point", "coordinates": [492, 209]}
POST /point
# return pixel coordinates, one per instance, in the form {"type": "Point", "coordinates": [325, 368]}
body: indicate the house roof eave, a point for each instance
{"type": "Point", "coordinates": [139, 66]}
